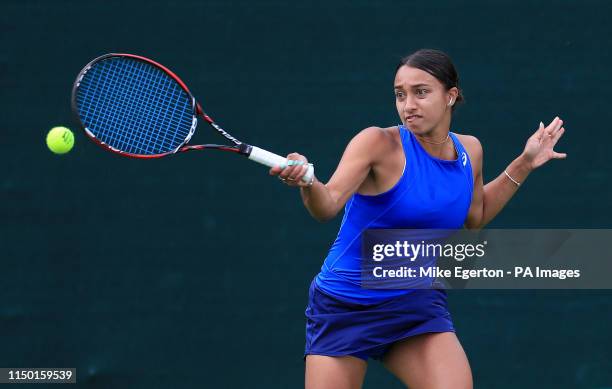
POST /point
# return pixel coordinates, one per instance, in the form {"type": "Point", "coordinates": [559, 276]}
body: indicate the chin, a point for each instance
{"type": "Point", "coordinates": [417, 128]}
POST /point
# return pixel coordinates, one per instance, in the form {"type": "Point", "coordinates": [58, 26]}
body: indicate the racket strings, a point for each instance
{"type": "Point", "coordinates": [147, 85]}
{"type": "Point", "coordinates": [121, 118]}
{"type": "Point", "coordinates": [134, 107]}
{"type": "Point", "coordinates": [99, 121]}
{"type": "Point", "coordinates": [138, 139]}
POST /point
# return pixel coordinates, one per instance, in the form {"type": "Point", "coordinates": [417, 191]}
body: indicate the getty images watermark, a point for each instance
{"type": "Point", "coordinates": [486, 259]}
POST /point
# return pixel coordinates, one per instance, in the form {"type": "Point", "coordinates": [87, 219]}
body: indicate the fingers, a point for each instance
{"type": "Point", "coordinates": [557, 127]}
{"type": "Point", "coordinates": [298, 172]}
{"type": "Point", "coordinates": [552, 123]}
{"type": "Point", "coordinates": [292, 173]}
{"type": "Point", "coordinates": [558, 134]}
{"type": "Point", "coordinates": [553, 133]}
{"type": "Point", "coordinates": [275, 171]}
{"type": "Point", "coordinates": [540, 131]}
{"type": "Point", "coordinates": [553, 127]}
{"type": "Point", "coordinates": [294, 170]}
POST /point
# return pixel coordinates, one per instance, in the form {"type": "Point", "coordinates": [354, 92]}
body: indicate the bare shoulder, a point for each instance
{"type": "Point", "coordinates": [472, 146]}
{"type": "Point", "coordinates": [374, 133]}
{"type": "Point", "coordinates": [469, 141]}
{"type": "Point", "coordinates": [376, 139]}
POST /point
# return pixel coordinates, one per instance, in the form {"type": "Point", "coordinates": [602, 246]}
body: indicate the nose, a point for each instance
{"type": "Point", "coordinates": [409, 104]}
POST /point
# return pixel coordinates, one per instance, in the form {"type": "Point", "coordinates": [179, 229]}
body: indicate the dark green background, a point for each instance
{"type": "Point", "coordinates": [192, 271]}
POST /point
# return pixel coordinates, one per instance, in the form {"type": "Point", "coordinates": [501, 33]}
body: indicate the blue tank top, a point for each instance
{"type": "Point", "coordinates": [431, 194]}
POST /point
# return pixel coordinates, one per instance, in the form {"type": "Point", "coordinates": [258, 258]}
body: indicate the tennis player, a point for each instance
{"type": "Point", "coordinates": [415, 175]}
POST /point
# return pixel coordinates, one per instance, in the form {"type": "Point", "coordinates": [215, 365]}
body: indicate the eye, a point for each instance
{"type": "Point", "coordinates": [399, 94]}
{"type": "Point", "coordinates": [421, 92]}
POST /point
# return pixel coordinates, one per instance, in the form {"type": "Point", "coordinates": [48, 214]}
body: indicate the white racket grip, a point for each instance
{"type": "Point", "coordinates": [270, 159]}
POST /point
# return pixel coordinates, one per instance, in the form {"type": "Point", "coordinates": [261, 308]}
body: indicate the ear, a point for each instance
{"type": "Point", "coordinates": [452, 96]}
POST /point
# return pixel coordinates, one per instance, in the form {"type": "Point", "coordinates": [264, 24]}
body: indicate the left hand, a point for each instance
{"type": "Point", "coordinates": [539, 147]}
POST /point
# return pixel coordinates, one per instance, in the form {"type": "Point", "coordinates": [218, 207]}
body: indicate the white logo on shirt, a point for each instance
{"type": "Point", "coordinates": [464, 158]}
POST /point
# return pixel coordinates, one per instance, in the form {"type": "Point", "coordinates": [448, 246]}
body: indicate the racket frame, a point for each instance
{"type": "Point", "coordinates": [252, 152]}
{"type": "Point", "coordinates": [195, 106]}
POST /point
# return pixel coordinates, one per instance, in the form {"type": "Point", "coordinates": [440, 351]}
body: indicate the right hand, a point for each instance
{"type": "Point", "coordinates": [292, 173]}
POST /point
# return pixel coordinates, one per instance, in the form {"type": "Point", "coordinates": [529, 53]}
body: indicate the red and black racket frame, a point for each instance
{"type": "Point", "coordinates": [238, 147]}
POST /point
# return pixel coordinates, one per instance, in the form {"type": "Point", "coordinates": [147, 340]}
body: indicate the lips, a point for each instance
{"type": "Point", "coordinates": [411, 118]}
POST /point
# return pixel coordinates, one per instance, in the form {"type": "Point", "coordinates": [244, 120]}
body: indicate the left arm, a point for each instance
{"type": "Point", "coordinates": [488, 200]}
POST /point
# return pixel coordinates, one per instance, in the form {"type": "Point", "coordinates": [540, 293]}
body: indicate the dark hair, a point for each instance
{"type": "Point", "coordinates": [438, 64]}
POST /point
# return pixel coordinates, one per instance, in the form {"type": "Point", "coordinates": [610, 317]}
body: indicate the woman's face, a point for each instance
{"type": "Point", "coordinates": [421, 100]}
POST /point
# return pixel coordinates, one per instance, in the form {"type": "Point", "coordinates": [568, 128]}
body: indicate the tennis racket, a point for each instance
{"type": "Point", "coordinates": [137, 108]}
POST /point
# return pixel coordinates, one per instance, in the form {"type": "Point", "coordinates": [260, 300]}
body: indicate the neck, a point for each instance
{"type": "Point", "coordinates": [437, 141]}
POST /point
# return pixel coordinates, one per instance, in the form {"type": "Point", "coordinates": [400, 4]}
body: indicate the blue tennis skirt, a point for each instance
{"type": "Point", "coordinates": [338, 328]}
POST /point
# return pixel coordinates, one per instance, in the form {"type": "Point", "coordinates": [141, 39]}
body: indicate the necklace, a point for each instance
{"type": "Point", "coordinates": [434, 143]}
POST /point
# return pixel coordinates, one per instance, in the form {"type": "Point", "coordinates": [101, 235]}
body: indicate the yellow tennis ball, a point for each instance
{"type": "Point", "coordinates": [60, 140]}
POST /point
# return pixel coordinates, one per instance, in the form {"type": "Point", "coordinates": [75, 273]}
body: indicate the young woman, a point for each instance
{"type": "Point", "coordinates": [416, 175]}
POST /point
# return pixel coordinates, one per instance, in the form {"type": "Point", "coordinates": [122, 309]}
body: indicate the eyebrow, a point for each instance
{"type": "Point", "coordinates": [412, 86]}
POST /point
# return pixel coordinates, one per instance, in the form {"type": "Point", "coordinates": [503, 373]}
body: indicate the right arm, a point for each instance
{"type": "Point", "coordinates": [324, 201]}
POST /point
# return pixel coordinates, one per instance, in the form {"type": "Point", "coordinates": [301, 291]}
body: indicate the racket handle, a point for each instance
{"type": "Point", "coordinates": [270, 159]}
